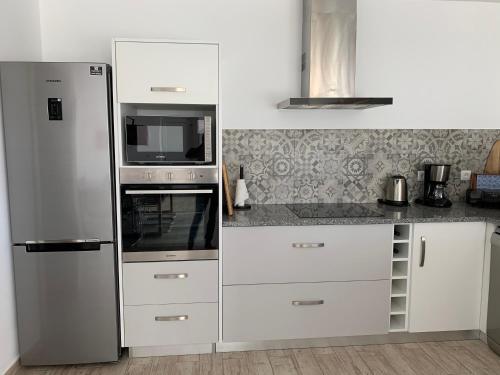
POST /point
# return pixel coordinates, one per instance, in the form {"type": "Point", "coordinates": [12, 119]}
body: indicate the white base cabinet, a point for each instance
{"type": "Point", "coordinates": [170, 303]}
{"type": "Point", "coordinates": [306, 282]}
{"type": "Point", "coordinates": [446, 276]}
{"type": "Point", "coordinates": [157, 283]}
{"type": "Point", "coordinates": [159, 325]}
{"type": "Point", "coordinates": [298, 311]}
{"type": "Point", "coordinates": [260, 255]}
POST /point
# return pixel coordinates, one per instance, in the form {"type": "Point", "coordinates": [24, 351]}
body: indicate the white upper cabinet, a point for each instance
{"type": "Point", "coordinates": [167, 73]}
{"type": "Point", "coordinates": [446, 276]}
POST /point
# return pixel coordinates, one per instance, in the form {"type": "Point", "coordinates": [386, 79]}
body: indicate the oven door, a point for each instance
{"type": "Point", "coordinates": [185, 140]}
{"type": "Point", "coordinates": [169, 222]}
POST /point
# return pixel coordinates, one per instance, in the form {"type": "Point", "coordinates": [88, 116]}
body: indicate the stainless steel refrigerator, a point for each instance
{"type": "Point", "coordinates": [58, 142]}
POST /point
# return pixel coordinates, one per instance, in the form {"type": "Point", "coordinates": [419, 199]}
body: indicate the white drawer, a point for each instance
{"type": "Point", "coordinates": [155, 72]}
{"type": "Point", "coordinates": [157, 325]}
{"type": "Point", "coordinates": [157, 283]}
{"type": "Point", "coordinates": [259, 255]}
{"type": "Point", "coordinates": [268, 312]}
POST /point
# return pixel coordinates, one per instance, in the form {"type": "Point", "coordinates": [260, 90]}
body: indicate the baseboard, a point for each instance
{"type": "Point", "coordinates": [11, 370]}
{"type": "Point", "coordinates": [158, 351]}
{"type": "Point", "coordinates": [483, 337]}
{"type": "Point", "coordinates": [391, 338]}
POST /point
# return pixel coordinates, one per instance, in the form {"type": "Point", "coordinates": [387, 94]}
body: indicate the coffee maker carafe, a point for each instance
{"type": "Point", "coordinates": [435, 178]}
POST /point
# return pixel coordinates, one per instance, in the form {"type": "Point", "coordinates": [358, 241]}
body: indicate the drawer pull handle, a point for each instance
{"type": "Point", "coordinates": [167, 89]}
{"type": "Point", "coordinates": [171, 276]}
{"type": "Point", "coordinates": [308, 245]}
{"type": "Point", "coordinates": [174, 318]}
{"type": "Point", "coordinates": [308, 303]}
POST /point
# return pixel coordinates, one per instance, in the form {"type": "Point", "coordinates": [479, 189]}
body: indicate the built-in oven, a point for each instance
{"type": "Point", "coordinates": [181, 138]}
{"type": "Point", "coordinates": [169, 222]}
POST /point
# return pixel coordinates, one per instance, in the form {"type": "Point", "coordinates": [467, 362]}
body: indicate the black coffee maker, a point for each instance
{"type": "Point", "coordinates": [435, 178]}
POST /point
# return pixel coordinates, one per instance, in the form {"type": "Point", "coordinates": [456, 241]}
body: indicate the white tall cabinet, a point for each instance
{"type": "Point", "coordinates": [166, 307]}
{"type": "Point", "coordinates": [446, 276]}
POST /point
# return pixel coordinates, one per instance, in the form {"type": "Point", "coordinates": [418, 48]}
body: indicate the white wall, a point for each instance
{"type": "Point", "coordinates": [19, 40]}
{"type": "Point", "coordinates": [439, 59]}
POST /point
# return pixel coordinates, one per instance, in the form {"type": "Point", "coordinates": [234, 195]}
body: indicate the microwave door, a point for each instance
{"type": "Point", "coordinates": [169, 140]}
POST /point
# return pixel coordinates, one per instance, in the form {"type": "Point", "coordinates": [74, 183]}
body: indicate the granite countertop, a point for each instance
{"type": "Point", "coordinates": [280, 215]}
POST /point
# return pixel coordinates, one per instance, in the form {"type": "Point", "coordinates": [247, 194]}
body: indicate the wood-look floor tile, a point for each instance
{"type": "Point", "coordinates": [456, 357]}
{"type": "Point", "coordinates": [443, 355]}
{"type": "Point", "coordinates": [140, 366]}
{"type": "Point", "coordinates": [306, 362]}
{"type": "Point", "coordinates": [211, 364]}
{"type": "Point", "coordinates": [351, 361]}
{"type": "Point", "coordinates": [235, 363]}
{"type": "Point", "coordinates": [374, 358]}
{"type": "Point", "coordinates": [282, 364]}
{"type": "Point", "coordinates": [163, 365]}
{"type": "Point", "coordinates": [419, 361]}
{"type": "Point", "coordinates": [470, 358]}
{"type": "Point", "coordinates": [258, 363]}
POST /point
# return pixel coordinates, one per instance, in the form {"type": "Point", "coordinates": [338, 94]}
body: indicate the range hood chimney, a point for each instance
{"type": "Point", "coordinates": [329, 58]}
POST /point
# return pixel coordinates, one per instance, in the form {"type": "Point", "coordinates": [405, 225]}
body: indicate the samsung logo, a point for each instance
{"type": "Point", "coordinates": [53, 81]}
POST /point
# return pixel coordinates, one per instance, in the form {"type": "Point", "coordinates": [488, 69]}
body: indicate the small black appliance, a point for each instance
{"type": "Point", "coordinates": [435, 179]}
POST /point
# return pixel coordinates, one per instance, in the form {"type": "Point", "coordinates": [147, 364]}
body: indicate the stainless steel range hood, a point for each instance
{"type": "Point", "coordinates": [329, 58]}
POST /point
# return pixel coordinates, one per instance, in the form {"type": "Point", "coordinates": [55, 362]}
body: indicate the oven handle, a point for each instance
{"type": "Point", "coordinates": [154, 192]}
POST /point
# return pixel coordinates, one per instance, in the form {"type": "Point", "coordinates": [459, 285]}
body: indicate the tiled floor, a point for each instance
{"type": "Point", "coordinates": [453, 357]}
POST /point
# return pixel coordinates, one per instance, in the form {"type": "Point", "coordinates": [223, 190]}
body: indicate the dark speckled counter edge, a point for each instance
{"type": "Point", "coordinates": [280, 215]}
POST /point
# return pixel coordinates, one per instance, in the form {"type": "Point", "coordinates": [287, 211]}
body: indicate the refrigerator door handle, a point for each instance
{"type": "Point", "coordinates": [92, 244]}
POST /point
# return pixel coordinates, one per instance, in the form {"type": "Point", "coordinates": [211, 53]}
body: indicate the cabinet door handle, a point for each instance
{"type": "Point", "coordinates": [422, 251]}
{"type": "Point", "coordinates": [308, 303]}
{"type": "Point", "coordinates": [174, 318]}
{"type": "Point", "coordinates": [167, 89]}
{"type": "Point", "coordinates": [171, 276]}
{"type": "Point", "coordinates": [308, 245]}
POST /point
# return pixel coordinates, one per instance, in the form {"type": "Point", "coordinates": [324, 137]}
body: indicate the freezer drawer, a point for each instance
{"type": "Point", "coordinates": [67, 309]}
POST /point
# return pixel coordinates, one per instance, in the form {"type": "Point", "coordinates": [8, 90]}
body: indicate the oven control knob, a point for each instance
{"type": "Point", "coordinates": [169, 176]}
{"type": "Point", "coordinates": [191, 176]}
{"type": "Point", "coordinates": [148, 175]}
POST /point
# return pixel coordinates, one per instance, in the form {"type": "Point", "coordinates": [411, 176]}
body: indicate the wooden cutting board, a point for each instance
{"type": "Point", "coordinates": [493, 161]}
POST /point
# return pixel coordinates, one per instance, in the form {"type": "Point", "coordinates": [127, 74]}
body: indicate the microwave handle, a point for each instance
{"type": "Point", "coordinates": [208, 139]}
{"type": "Point", "coordinates": [154, 192]}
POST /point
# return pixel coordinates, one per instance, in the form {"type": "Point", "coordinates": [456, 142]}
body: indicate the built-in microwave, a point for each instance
{"type": "Point", "coordinates": [184, 139]}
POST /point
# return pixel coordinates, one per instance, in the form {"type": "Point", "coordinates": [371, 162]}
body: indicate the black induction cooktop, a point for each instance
{"type": "Point", "coordinates": [332, 210]}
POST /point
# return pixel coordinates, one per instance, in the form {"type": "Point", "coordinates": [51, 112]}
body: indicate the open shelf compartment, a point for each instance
{"type": "Point", "coordinates": [398, 305]}
{"type": "Point", "coordinates": [399, 270]}
{"type": "Point", "coordinates": [399, 287]}
{"type": "Point", "coordinates": [400, 251]}
{"type": "Point", "coordinates": [401, 232]}
{"type": "Point", "coordinates": [398, 323]}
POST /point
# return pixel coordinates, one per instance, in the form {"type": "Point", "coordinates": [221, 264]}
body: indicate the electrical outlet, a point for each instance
{"type": "Point", "coordinates": [465, 175]}
{"type": "Point", "coordinates": [420, 175]}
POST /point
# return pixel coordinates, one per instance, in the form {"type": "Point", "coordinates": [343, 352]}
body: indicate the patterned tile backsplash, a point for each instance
{"type": "Point", "coordinates": [341, 166]}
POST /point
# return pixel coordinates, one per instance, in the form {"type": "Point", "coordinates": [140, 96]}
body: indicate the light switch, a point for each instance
{"type": "Point", "coordinates": [420, 175]}
{"type": "Point", "coordinates": [465, 175]}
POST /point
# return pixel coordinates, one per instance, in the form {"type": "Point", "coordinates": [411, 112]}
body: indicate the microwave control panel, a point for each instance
{"type": "Point", "coordinates": [168, 175]}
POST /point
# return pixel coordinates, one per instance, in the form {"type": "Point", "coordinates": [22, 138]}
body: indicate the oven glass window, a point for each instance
{"type": "Point", "coordinates": [157, 220]}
